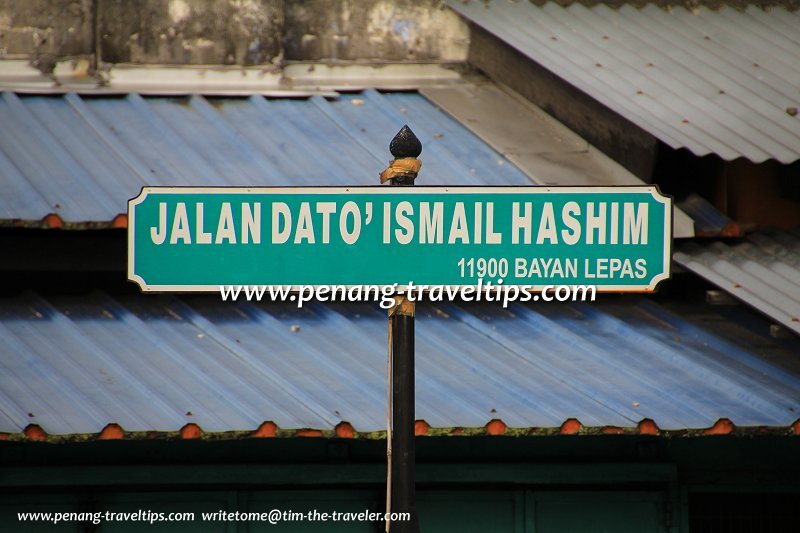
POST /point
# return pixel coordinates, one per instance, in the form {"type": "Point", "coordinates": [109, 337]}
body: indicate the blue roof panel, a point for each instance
{"type": "Point", "coordinates": [84, 157]}
{"type": "Point", "coordinates": [73, 364]}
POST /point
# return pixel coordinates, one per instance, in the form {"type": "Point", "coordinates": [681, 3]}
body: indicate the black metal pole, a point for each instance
{"type": "Point", "coordinates": [402, 171]}
{"type": "Point", "coordinates": [403, 449]}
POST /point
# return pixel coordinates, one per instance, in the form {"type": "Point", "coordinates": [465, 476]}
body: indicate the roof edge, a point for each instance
{"type": "Point", "coordinates": [294, 79]}
{"type": "Point", "coordinates": [716, 5]}
{"type": "Point", "coordinates": [344, 430]}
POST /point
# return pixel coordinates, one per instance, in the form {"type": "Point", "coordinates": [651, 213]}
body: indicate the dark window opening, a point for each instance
{"type": "Point", "coordinates": [744, 513]}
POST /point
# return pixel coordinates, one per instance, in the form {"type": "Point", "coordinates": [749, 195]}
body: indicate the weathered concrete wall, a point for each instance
{"type": "Point", "coordinates": [398, 30]}
{"type": "Point", "coordinates": [229, 32]}
{"type": "Point", "coordinates": [45, 30]}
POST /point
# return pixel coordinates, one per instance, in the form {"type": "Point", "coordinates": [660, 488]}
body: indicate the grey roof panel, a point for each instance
{"type": "Point", "coordinates": [763, 271]}
{"type": "Point", "coordinates": [535, 142]}
{"type": "Point", "coordinates": [713, 81]}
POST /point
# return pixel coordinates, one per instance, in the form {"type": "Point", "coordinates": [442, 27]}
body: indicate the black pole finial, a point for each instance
{"type": "Point", "coordinates": [405, 144]}
{"type": "Point", "coordinates": [405, 148]}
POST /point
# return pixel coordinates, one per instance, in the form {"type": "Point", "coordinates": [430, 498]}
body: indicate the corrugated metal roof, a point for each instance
{"type": "Point", "coordinates": [83, 157]}
{"type": "Point", "coordinates": [537, 143]}
{"type": "Point", "coordinates": [72, 364]}
{"type": "Point", "coordinates": [763, 271]}
{"type": "Point", "coordinates": [713, 81]}
{"type": "Point", "coordinates": [708, 220]}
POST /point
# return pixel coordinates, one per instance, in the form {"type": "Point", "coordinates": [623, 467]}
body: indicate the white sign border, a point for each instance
{"type": "Point", "coordinates": [654, 191]}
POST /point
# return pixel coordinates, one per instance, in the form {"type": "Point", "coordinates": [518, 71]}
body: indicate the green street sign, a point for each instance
{"type": "Point", "coordinates": [196, 239]}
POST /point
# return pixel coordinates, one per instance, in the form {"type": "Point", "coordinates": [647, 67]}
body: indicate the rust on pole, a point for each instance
{"type": "Point", "coordinates": [401, 493]}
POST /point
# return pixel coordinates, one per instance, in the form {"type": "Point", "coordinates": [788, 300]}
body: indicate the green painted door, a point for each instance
{"type": "Point", "coordinates": [17, 512]}
{"type": "Point", "coordinates": [595, 512]}
{"type": "Point", "coordinates": [471, 511]}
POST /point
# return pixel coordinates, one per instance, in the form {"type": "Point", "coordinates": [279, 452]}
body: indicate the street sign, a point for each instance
{"type": "Point", "coordinates": [195, 239]}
